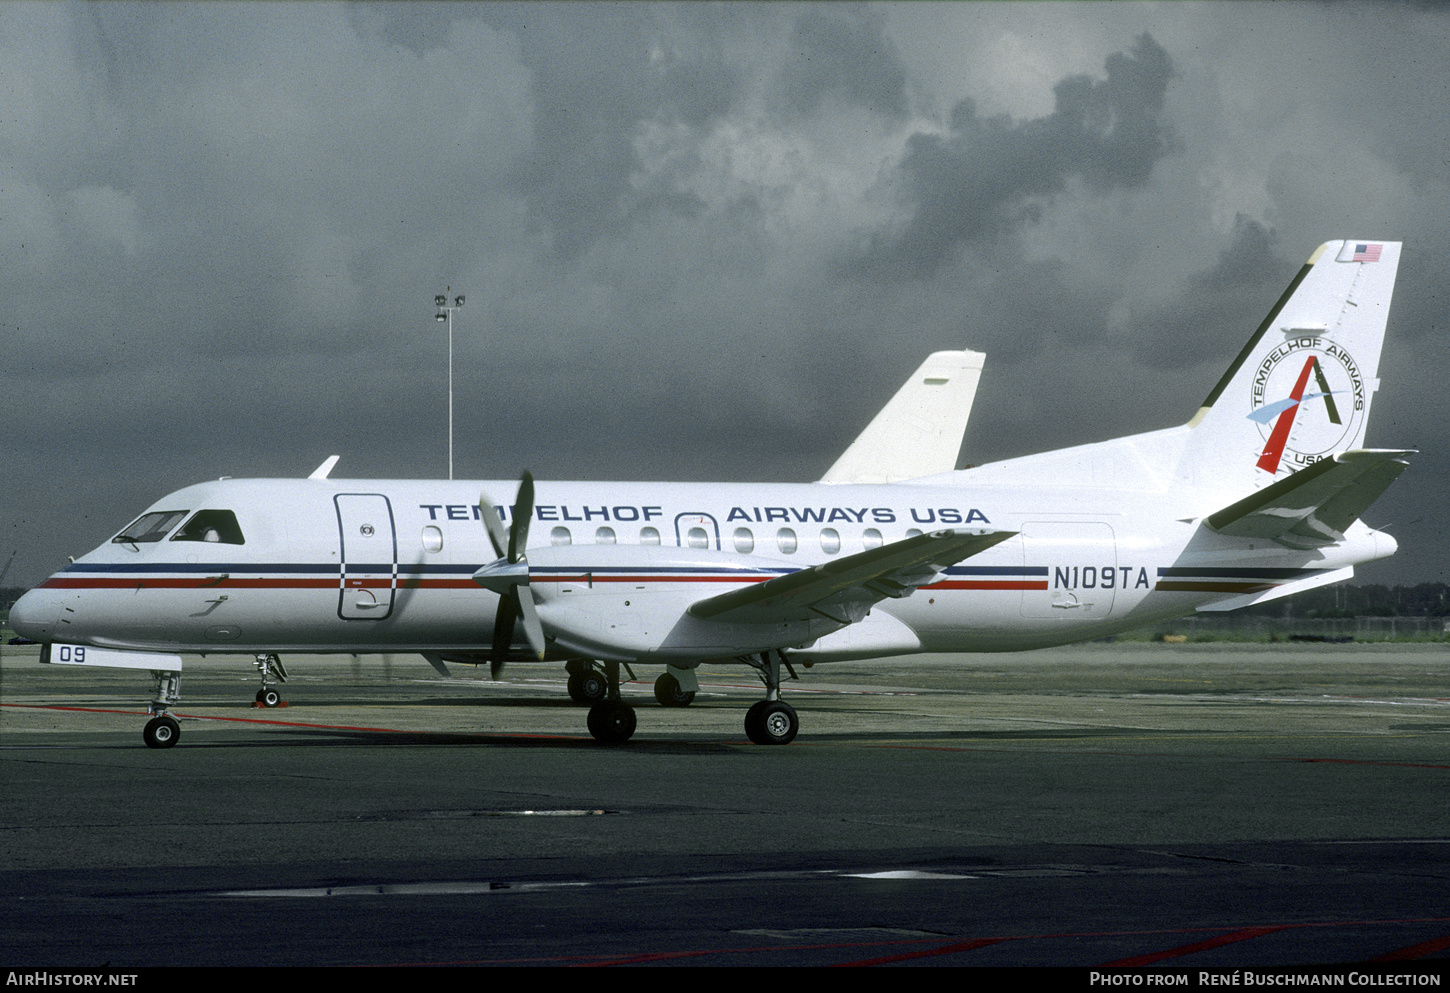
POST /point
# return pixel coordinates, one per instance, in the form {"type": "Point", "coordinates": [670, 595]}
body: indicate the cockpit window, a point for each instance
{"type": "Point", "coordinates": [212, 525]}
{"type": "Point", "coordinates": [149, 527]}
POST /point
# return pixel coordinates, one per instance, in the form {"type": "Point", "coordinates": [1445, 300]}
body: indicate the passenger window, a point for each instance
{"type": "Point", "coordinates": [913, 532]}
{"type": "Point", "coordinates": [604, 536]}
{"type": "Point", "coordinates": [830, 541]}
{"type": "Point", "coordinates": [649, 536]}
{"type": "Point", "coordinates": [149, 527]}
{"type": "Point", "coordinates": [432, 539]}
{"type": "Point", "coordinates": [871, 538]}
{"type": "Point", "coordinates": [785, 538]}
{"type": "Point", "coordinates": [744, 541]}
{"type": "Point", "coordinates": [212, 525]}
{"type": "Point", "coordinates": [561, 536]}
{"type": "Point", "coordinates": [697, 538]}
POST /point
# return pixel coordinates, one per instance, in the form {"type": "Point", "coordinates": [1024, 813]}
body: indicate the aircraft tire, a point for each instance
{"type": "Point", "coordinates": [611, 722]}
{"type": "Point", "coordinates": [588, 686]}
{"type": "Point", "coordinates": [771, 722]}
{"type": "Point", "coordinates": [269, 698]}
{"type": "Point", "coordinates": [161, 732]}
{"type": "Point", "coordinates": [669, 693]}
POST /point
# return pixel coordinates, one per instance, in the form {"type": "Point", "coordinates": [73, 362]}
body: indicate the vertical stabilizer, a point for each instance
{"type": "Point", "coordinates": [919, 432]}
{"type": "Point", "coordinates": [1300, 390]}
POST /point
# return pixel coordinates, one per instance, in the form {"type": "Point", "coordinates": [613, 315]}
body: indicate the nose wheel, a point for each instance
{"type": "Point", "coordinates": [270, 667]}
{"type": "Point", "coordinates": [161, 732]}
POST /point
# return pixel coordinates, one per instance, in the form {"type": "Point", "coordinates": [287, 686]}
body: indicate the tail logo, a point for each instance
{"type": "Point", "coordinates": [1308, 401]}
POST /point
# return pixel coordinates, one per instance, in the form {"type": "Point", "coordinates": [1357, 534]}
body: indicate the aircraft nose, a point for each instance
{"type": "Point", "coordinates": [34, 614]}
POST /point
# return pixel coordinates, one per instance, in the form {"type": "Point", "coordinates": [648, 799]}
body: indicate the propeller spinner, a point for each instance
{"type": "Point", "coordinates": [509, 576]}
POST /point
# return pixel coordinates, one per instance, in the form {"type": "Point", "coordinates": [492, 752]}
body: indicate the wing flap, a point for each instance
{"type": "Point", "coordinates": [1314, 506]}
{"type": "Point", "coordinates": [844, 590]}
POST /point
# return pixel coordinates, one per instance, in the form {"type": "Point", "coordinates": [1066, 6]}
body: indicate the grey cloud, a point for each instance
{"type": "Point", "coordinates": [989, 175]}
{"type": "Point", "coordinates": [592, 91]}
{"type": "Point", "coordinates": [843, 55]}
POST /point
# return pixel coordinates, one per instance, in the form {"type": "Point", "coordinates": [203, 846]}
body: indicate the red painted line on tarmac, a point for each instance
{"type": "Point", "coordinates": [1397, 765]}
{"type": "Point", "coordinates": [290, 724]}
{"type": "Point", "coordinates": [1198, 946]}
{"type": "Point", "coordinates": [1416, 951]}
{"type": "Point", "coordinates": [959, 946]}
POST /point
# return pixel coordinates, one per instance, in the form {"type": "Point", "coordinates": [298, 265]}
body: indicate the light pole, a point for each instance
{"type": "Point", "coordinates": [445, 313]}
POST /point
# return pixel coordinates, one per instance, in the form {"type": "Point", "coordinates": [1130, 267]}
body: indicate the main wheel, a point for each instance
{"type": "Point", "coordinates": [588, 686]}
{"type": "Point", "coordinates": [669, 693]}
{"type": "Point", "coordinates": [611, 722]}
{"type": "Point", "coordinates": [771, 722]}
{"type": "Point", "coordinates": [161, 732]}
{"type": "Point", "coordinates": [269, 698]}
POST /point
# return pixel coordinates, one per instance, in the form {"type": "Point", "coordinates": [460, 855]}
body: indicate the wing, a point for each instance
{"type": "Point", "coordinates": [1314, 506]}
{"type": "Point", "coordinates": [845, 589]}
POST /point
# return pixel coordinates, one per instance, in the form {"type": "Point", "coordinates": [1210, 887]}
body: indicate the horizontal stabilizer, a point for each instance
{"type": "Point", "coordinates": [1314, 506]}
{"type": "Point", "coordinates": [845, 589]}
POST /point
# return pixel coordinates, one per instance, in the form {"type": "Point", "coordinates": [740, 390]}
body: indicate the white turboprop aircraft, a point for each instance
{"type": "Point", "coordinates": [1258, 496]}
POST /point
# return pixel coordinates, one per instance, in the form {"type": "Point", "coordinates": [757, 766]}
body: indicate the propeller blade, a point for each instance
{"type": "Point", "coordinates": [497, 533]}
{"type": "Point", "coordinates": [523, 512]}
{"type": "Point", "coordinates": [533, 627]}
{"type": "Point", "coordinates": [503, 633]}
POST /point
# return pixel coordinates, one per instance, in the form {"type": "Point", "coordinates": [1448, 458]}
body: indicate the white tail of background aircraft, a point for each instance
{"type": "Point", "coordinates": [919, 432]}
{"type": "Point", "coordinates": [1259, 495]}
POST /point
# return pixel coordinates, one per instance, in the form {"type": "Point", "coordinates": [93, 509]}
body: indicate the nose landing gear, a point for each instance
{"type": "Point", "coordinates": [270, 666]}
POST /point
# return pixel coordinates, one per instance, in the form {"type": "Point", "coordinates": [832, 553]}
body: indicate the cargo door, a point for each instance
{"type": "Point", "coordinates": [1081, 559]}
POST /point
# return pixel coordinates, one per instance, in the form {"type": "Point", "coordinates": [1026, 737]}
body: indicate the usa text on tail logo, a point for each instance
{"type": "Point", "coordinates": [1282, 390]}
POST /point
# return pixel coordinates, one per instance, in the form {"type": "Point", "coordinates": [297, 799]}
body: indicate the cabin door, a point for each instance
{"type": "Point", "coordinates": [369, 548]}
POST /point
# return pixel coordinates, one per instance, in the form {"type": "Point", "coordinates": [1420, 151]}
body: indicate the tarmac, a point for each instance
{"type": "Point", "coordinates": [1215, 806]}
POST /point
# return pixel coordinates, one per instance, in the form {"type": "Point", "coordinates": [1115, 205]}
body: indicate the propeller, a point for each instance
{"type": "Point", "coordinates": [509, 576]}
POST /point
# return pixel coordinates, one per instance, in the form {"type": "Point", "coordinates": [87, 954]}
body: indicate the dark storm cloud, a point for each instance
{"type": "Point", "coordinates": [222, 225]}
{"type": "Point", "coordinates": [592, 91]}
{"type": "Point", "coordinates": [1219, 307]}
{"type": "Point", "coordinates": [839, 54]}
{"type": "Point", "coordinates": [990, 175]}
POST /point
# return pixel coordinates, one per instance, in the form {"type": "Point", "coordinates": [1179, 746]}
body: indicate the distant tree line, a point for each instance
{"type": "Point", "coordinates": [1371, 600]}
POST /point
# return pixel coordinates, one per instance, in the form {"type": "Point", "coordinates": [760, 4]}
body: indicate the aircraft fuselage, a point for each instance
{"type": "Point", "coordinates": [387, 566]}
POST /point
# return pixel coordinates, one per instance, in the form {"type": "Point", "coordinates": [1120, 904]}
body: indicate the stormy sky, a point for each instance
{"type": "Point", "coordinates": [698, 242]}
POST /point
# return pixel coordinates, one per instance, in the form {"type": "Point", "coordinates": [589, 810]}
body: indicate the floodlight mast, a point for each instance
{"type": "Point", "coordinates": [445, 313]}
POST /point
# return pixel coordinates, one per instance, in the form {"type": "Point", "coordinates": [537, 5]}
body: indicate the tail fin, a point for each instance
{"type": "Point", "coordinates": [919, 432]}
{"type": "Point", "coordinates": [1300, 390]}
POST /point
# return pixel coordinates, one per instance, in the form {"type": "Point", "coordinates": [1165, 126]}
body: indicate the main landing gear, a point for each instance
{"type": "Point", "coordinates": [611, 721]}
{"type": "Point", "coordinates": [670, 693]}
{"type": "Point", "coordinates": [771, 721]}
{"type": "Point", "coordinates": [587, 683]}
{"type": "Point", "coordinates": [270, 666]}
